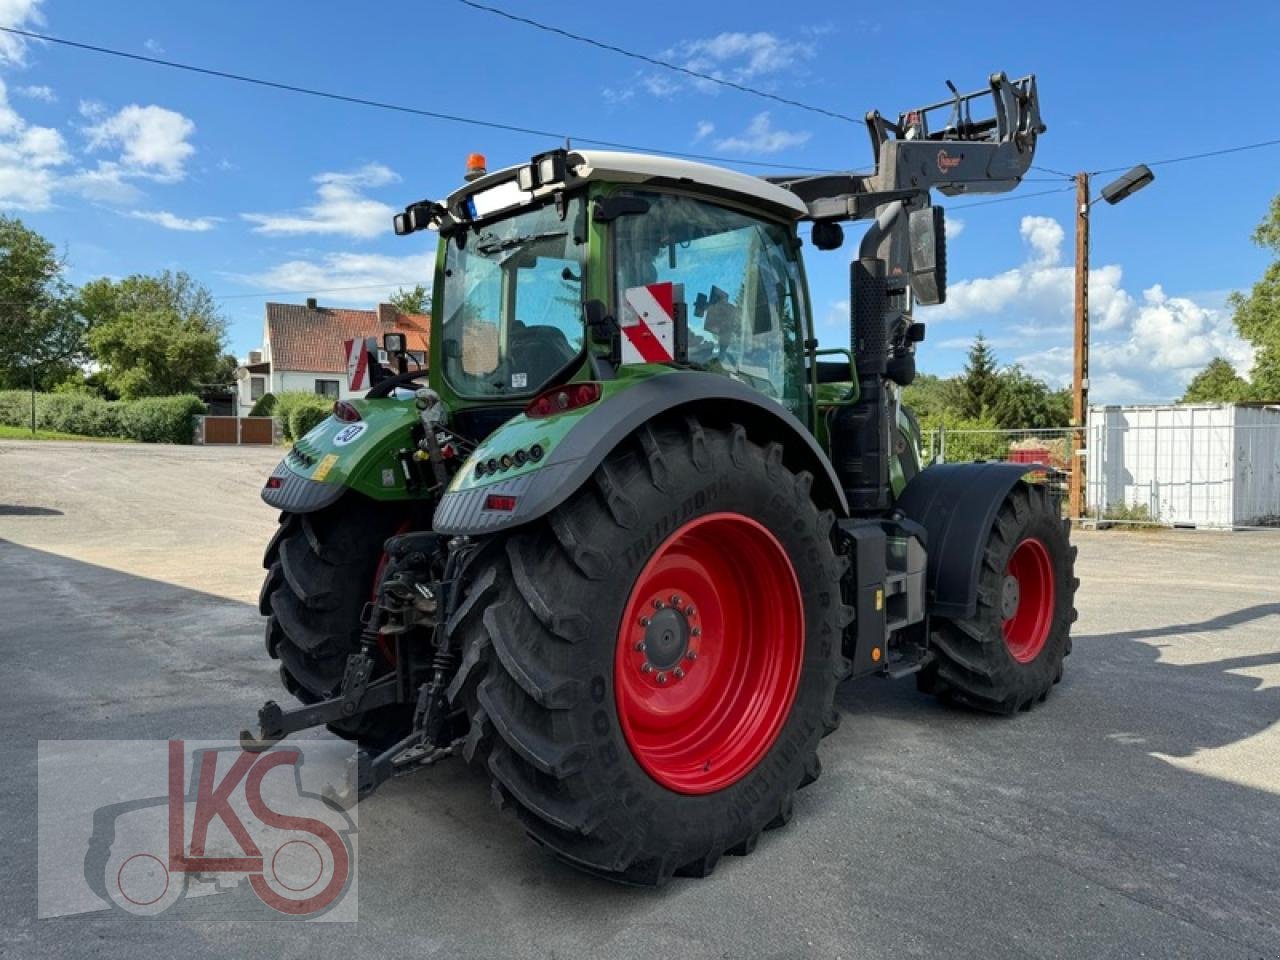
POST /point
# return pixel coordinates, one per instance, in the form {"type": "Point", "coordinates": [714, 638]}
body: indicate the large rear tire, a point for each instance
{"type": "Point", "coordinates": [648, 671]}
{"type": "Point", "coordinates": [321, 571]}
{"type": "Point", "coordinates": [1008, 656]}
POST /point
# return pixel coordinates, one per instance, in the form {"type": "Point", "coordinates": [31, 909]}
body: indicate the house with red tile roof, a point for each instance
{"type": "Point", "coordinates": [302, 348]}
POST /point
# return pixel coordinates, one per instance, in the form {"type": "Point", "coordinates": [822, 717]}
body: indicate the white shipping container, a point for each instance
{"type": "Point", "coordinates": [1204, 465]}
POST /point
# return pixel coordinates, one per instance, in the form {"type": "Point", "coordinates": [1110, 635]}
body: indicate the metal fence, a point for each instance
{"type": "Point", "coordinates": [1205, 467]}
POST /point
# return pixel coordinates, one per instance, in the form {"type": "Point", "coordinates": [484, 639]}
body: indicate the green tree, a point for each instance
{"type": "Point", "coordinates": [931, 397]}
{"type": "Point", "coordinates": [1024, 402]}
{"type": "Point", "coordinates": [41, 331]}
{"type": "Point", "coordinates": [417, 300]}
{"type": "Point", "coordinates": [1257, 317]}
{"type": "Point", "coordinates": [979, 385]}
{"type": "Point", "coordinates": [154, 336]}
{"type": "Point", "coordinates": [1216, 383]}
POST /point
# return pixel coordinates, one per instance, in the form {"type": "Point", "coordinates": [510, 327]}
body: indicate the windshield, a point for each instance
{"type": "Point", "coordinates": [513, 301]}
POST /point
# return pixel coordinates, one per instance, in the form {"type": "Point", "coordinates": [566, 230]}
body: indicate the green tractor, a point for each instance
{"type": "Point", "coordinates": [622, 538]}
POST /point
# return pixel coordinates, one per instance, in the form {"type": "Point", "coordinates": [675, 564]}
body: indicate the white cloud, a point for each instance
{"type": "Point", "coordinates": [743, 56]}
{"type": "Point", "coordinates": [171, 221]}
{"type": "Point", "coordinates": [1041, 291]}
{"type": "Point", "coordinates": [28, 158]}
{"type": "Point", "coordinates": [733, 56]}
{"type": "Point", "coordinates": [704, 129]}
{"type": "Point", "coordinates": [341, 207]}
{"type": "Point", "coordinates": [152, 141]}
{"type": "Point", "coordinates": [38, 92]}
{"type": "Point", "coordinates": [761, 137]}
{"type": "Point", "coordinates": [333, 270]}
{"type": "Point", "coordinates": [152, 45]}
{"type": "Point", "coordinates": [954, 226]}
{"type": "Point", "coordinates": [1144, 348]}
{"type": "Point", "coordinates": [20, 14]}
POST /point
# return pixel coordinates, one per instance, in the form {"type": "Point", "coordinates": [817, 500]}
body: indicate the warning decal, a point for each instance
{"type": "Point", "coordinates": [648, 324]}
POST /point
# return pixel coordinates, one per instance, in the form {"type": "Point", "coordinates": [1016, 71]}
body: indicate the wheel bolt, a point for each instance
{"type": "Point", "coordinates": [644, 621]}
{"type": "Point", "coordinates": [658, 604]}
{"type": "Point", "coordinates": [639, 645]}
{"type": "Point", "coordinates": [679, 673]}
{"type": "Point", "coordinates": [691, 655]}
{"type": "Point", "coordinates": [688, 611]}
{"type": "Point", "coordinates": [675, 599]}
{"type": "Point", "coordinates": [695, 632]}
{"type": "Point", "coordinates": [647, 668]}
{"type": "Point", "coordinates": [662, 678]}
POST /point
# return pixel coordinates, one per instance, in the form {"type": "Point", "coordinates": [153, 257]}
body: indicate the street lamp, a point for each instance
{"type": "Point", "coordinates": [1119, 189]}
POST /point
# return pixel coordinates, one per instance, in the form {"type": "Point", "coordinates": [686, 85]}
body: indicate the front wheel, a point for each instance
{"type": "Point", "coordinates": [1008, 656]}
{"type": "Point", "coordinates": [649, 670]}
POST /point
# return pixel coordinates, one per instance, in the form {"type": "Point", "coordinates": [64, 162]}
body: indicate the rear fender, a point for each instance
{"type": "Point", "coordinates": [336, 457]}
{"type": "Point", "coordinates": [957, 504]}
{"type": "Point", "coordinates": [575, 443]}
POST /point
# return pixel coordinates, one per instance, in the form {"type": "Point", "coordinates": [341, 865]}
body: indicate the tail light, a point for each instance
{"type": "Point", "coordinates": [345, 411]}
{"type": "Point", "coordinates": [500, 502]}
{"type": "Point", "coordinates": [559, 399]}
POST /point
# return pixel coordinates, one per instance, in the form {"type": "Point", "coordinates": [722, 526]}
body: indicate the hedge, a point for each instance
{"type": "Point", "coordinates": [264, 406]}
{"type": "Point", "coordinates": [300, 411]}
{"type": "Point", "coordinates": [150, 420]}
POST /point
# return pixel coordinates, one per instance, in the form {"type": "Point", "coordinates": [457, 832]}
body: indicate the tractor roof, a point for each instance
{"type": "Point", "coordinates": [640, 168]}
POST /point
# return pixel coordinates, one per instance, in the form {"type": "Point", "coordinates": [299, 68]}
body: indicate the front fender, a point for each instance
{"type": "Point", "coordinates": [336, 457]}
{"type": "Point", "coordinates": [575, 443]}
{"type": "Point", "coordinates": [957, 504]}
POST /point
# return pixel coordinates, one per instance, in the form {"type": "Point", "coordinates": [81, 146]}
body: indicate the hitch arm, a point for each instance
{"type": "Point", "coordinates": [357, 695]}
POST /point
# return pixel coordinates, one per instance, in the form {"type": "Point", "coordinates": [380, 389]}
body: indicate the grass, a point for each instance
{"type": "Point", "coordinates": [24, 433]}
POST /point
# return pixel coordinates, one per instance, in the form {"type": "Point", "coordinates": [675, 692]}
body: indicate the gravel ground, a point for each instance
{"type": "Point", "coordinates": [1136, 813]}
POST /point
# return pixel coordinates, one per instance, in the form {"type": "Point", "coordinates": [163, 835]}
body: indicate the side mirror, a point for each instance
{"type": "Point", "coordinates": [927, 236]}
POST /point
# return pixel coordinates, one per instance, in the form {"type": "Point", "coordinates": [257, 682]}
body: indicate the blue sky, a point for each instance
{"type": "Point", "coordinates": [135, 168]}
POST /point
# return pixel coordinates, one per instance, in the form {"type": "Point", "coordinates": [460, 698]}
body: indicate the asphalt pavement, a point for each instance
{"type": "Point", "coordinates": [1135, 813]}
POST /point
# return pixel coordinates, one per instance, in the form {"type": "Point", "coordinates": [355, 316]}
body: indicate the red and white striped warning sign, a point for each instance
{"type": "Point", "coordinates": [357, 351]}
{"type": "Point", "coordinates": [648, 323]}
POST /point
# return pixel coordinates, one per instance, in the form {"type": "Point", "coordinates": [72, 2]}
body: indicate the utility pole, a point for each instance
{"type": "Point", "coordinates": [1080, 375]}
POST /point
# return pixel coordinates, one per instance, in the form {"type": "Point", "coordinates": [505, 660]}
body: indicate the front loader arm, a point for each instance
{"type": "Point", "coordinates": [962, 155]}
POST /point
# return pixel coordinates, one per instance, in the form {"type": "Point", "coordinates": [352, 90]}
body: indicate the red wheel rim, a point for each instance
{"type": "Point", "coordinates": [709, 653]}
{"type": "Point", "coordinates": [1027, 600]}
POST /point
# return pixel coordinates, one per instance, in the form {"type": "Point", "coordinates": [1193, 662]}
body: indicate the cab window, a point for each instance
{"type": "Point", "coordinates": [741, 287]}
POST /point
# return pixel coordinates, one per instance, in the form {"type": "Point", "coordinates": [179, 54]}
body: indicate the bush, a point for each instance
{"type": "Point", "coordinates": [150, 420]}
{"type": "Point", "coordinates": [299, 412]}
{"type": "Point", "coordinates": [160, 419]}
{"type": "Point", "coordinates": [79, 413]}
{"type": "Point", "coordinates": [264, 406]}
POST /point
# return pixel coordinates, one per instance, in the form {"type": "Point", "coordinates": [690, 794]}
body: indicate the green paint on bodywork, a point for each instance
{"type": "Point", "coordinates": [522, 433]}
{"type": "Point", "coordinates": [385, 428]}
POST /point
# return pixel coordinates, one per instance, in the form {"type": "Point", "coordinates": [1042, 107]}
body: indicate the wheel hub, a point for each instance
{"type": "Point", "coordinates": [666, 639]}
{"type": "Point", "coordinates": [1009, 597]}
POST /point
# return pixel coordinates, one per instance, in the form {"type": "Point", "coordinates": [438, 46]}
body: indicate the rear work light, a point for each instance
{"type": "Point", "coordinates": [274, 483]}
{"type": "Point", "coordinates": [498, 501]}
{"type": "Point", "coordinates": [559, 399]}
{"type": "Point", "coordinates": [345, 411]}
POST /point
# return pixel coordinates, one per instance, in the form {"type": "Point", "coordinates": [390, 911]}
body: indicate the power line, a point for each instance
{"type": "Point", "coordinates": [298, 293]}
{"type": "Point", "coordinates": [657, 62]}
{"type": "Point", "coordinates": [1192, 156]}
{"type": "Point", "coordinates": [1053, 171]}
{"type": "Point", "coordinates": [396, 107]}
{"type": "Point", "coordinates": [1021, 196]}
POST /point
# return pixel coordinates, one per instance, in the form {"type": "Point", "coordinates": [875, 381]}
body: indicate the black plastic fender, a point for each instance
{"type": "Point", "coordinates": [957, 503]}
{"type": "Point", "coordinates": [709, 396]}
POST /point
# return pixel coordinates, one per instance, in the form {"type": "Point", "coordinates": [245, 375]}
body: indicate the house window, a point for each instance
{"type": "Point", "coordinates": [257, 387]}
{"type": "Point", "coordinates": [327, 388]}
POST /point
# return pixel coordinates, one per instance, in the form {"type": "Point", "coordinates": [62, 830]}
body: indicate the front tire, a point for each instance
{"type": "Point", "coordinates": [1008, 656]}
{"type": "Point", "coordinates": [689, 540]}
